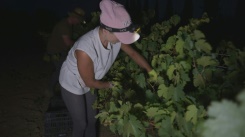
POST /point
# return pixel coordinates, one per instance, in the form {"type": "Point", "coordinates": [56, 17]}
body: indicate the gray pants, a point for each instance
{"type": "Point", "coordinates": [82, 113]}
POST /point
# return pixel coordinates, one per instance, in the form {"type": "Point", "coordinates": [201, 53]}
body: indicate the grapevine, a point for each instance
{"type": "Point", "coordinates": [187, 67]}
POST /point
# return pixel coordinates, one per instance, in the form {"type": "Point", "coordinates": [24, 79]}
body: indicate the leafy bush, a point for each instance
{"type": "Point", "coordinates": [226, 118]}
{"type": "Point", "coordinates": [188, 68]}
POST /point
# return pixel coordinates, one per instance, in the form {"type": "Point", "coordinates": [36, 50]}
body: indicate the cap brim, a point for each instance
{"type": "Point", "coordinates": [127, 37]}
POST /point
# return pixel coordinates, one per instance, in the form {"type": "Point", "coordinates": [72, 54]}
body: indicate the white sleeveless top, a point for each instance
{"type": "Point", "coordinates": [102, 59]}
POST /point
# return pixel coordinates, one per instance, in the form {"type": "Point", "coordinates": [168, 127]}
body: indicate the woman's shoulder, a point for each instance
{"type": "Point", "coordinates": [89, 36]}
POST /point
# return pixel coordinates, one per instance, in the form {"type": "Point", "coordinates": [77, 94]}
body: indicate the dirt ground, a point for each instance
{"type": "Point", "coordinates": [23, 100]}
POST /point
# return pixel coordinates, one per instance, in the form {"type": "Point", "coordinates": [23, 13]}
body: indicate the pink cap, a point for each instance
{"type": "Point", "coordinates": [114, 15]}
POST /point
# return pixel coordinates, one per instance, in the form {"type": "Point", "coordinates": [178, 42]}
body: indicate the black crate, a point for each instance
{"type": "Point", "coordinates": [58, 124]}
{"type": "Point", "coordinates": [56, 103]}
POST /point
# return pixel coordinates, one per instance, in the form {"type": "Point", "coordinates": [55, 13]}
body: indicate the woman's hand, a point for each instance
{"type": "Point", "coordinates": [115, 85]}
{"type": "Point", "coordinates": [152, 76]}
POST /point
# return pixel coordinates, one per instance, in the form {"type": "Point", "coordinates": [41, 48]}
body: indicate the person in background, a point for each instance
{"type": "Point", "coordinates": [59, 43]}
{"type": "Point", "coordinates": [90, 59]}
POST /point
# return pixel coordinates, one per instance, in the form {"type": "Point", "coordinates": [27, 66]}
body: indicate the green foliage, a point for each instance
{"type": "Point", "coordinates": [233, 63]}
{"type": "Point", "coordinates": [187, 68]}
{"type": "Point", "coordinates": [226, 118]}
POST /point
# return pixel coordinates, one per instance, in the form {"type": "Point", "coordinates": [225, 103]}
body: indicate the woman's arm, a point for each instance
{"type": "Point", "coordinates": [139, 59]}
{"type": "Point", "coordinates": [86, 70]}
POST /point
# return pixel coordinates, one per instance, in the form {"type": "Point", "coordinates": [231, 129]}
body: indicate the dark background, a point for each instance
{"type": "Point", "coordinates": [21, 20]}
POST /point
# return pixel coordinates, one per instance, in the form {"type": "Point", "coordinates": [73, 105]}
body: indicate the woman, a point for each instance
{"type": "Point", "coordinates": [89, 60]}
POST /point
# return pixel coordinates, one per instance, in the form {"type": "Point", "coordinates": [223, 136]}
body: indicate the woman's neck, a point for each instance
{"type": "Point", "coordinates": [103, 38]}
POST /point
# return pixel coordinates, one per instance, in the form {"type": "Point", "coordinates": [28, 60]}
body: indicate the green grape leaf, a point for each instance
{"type": "Point", "coordinates": [158, 118]}
{"type": "Point", "coordinates": [102, 115]}
{"type": "Point", "coordinates": [154, 61]}
{"type": "Point", "coordinates": [145, 123]}
{"type": "Point", "coordinates": [163, 91]}
{"type": "Point", "coordinates": [149, 95]}
{"type": "Point", "coordinates": [152, 46]}
{"type": "Point", "coordinates": [191, 114]}
{"type": "Point", "coordinates": [184, 76]}
{"type": "Point", "coordinates": [116, 92]}
{"type": "Point", "coordinates": [201, 112]}
{"type": "Point", "coordinates": [166, 129]}
{"type": "Point", "coordinates": [129, 93]}
{"type": "Point", "coordinates": [138, 105]}
{"type": "Point", "coordinates": [127, 59]}
{"type": "Point", "coordinates": [169, 59]}
{"type": "Point", "coordinates": [170, 71]}
{"type": "Point", "coordinates": [178, 93]}
{"type": "Point", "coordinates": [160, 80]}
{"type": "Point", "coordinates": [180, 47]}
{"type": "Point", "coordinates": [175, 19]}
{"type": "Point", "coordinates": [208, 74]}
{"type": "Point", "coordinates": [151, 112]}
{"type": "Point", "coordinates": [132, 65]}
{"type": "Point", "coordinates": [125, 108]}
{"type": "Point", "coordinates": [113, 107]}
{"type": "Point", "coordinates": [140, 80]}
{"type": "Point", "coordinates": [188, 43]}
{"type": "Point", "coordinates": [206, 61]}
{"type": "Point", "coordinates": [173, 115]}
{"type": "Point", "coordinates": [185, 65]}
{"type": "Point", "coordinates": [203, 45]}
{"type": "Point", "coordinates": [241, 57]}
{"type": "Point", "coordinates": [138, 45]}
{"type": "Point", "coordinates": [170, 43]}
{"type": "Point", "coordinates": [198, 35]}
{"type": "Point", "coordinates": [154, 111]}
{"type": "Point", "coordinates": [119, 127]}
{"type": "Point", "coordinates": [198, 81]}
{"type": "Point", "coordinates": [120, 102]}
{"type": "Point", "coordinates": [132, 126]}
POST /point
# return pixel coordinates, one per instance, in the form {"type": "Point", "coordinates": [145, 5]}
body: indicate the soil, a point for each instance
{"type": "Point", "coordinates": [23, 97]}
